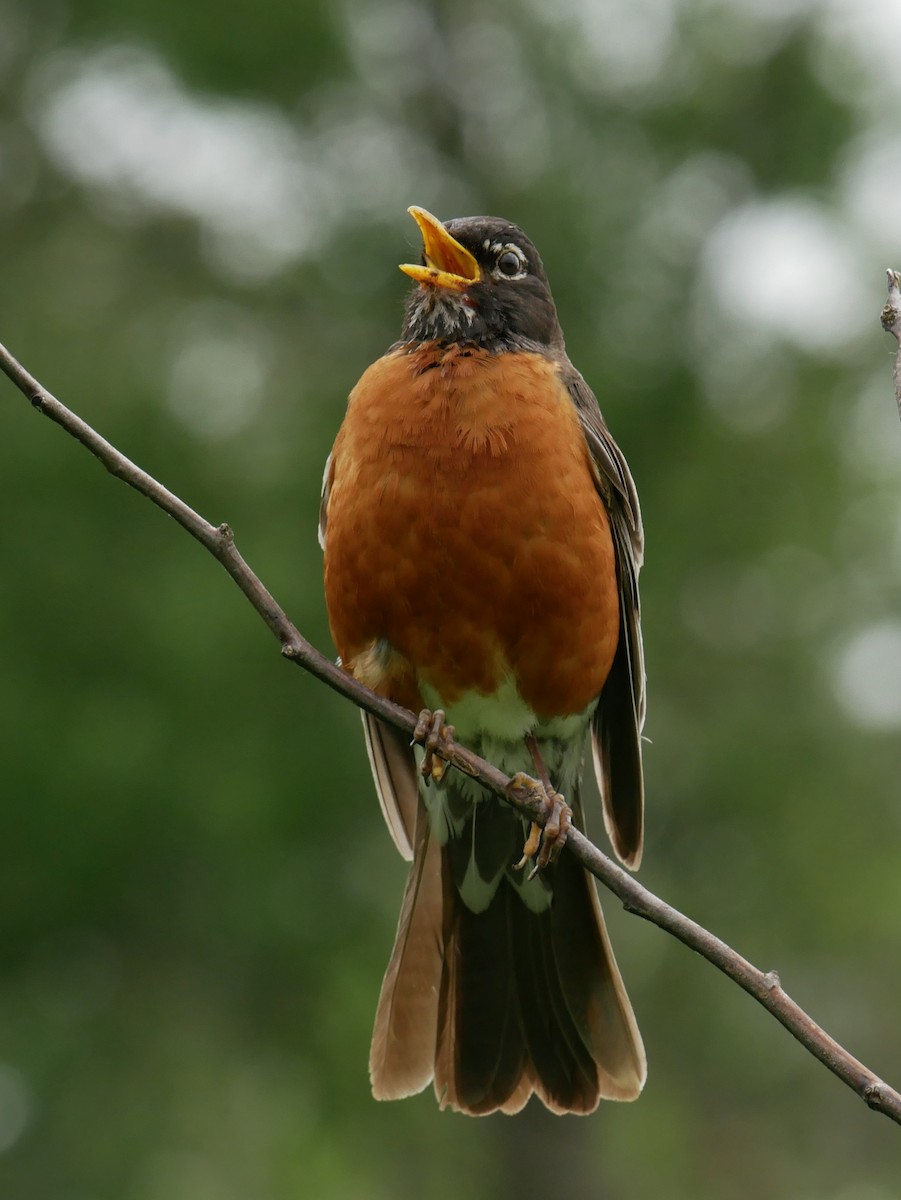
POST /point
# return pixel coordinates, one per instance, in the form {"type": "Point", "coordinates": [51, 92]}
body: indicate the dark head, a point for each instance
{"type": "Point", "coordinates": [480, 280]}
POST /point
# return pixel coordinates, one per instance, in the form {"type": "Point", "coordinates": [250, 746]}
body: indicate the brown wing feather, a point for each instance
{"type": "Point", "coordinates": [394, 773]}
{"type": "Point", "coordinates": [324, 497]}
{"type": "Point", "coordinates": [618, 720]}
{"type": "Point", "coordinates": [616, 739]}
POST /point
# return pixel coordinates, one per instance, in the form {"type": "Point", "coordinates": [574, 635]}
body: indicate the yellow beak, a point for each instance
{"type": "Point", "coordinates": [447, 263]}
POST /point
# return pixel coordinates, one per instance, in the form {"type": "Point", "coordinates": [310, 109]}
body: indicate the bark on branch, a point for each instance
{"type": "Point", "coordinates": [891, 323]}
{"type": "Point", "coordinates": [764, 987]}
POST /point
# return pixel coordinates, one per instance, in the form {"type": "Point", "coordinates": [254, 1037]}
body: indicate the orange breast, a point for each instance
{"type": "Point", "coordinates": [466, 540]}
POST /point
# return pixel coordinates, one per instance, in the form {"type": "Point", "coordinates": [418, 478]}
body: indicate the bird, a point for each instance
{"type": "Point", "coordinates": [482, 542]}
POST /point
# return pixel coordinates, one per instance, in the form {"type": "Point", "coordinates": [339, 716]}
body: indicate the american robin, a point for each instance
{"type": "Point", "coordinates": [482, 541]}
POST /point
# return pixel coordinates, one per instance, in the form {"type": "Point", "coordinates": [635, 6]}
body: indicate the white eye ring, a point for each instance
{"type": "Point", "coordinates": [510, 256]}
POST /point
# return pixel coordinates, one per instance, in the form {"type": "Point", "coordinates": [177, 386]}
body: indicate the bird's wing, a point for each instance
{"type": "Point", "coordinates": [390, 755]}
{"type": "Point", "coordinates": [618, 719]}
{"type": "Point", "coordinates": [394, 773]}
{"type": "Point", "coordinates": [327, 476]}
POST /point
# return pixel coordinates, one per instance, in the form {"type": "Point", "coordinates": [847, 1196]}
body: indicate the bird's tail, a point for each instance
{"type": "Point", "coordinates": [498, 1004]}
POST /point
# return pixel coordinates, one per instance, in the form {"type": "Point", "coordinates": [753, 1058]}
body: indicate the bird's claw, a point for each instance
{"type": "Point", "coordinates": [548, 837]}
{"type": "Point", "coordinates": [436, 738]}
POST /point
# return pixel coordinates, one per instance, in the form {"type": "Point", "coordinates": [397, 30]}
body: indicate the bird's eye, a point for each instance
{"type": "Point", "coordinates": [511, 263]}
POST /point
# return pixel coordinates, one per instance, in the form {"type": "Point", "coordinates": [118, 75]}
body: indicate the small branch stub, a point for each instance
{"type": "Point", "coordinates": [891, 313]}
{"type": "Point", "coordinates": [891, 323]}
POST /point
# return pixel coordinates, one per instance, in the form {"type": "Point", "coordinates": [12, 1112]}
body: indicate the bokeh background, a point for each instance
{"type": "Point", "coordinates": [202, 209]}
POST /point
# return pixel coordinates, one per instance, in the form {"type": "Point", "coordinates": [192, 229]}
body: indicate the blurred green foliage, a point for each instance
{"type": "Point", "coordinates": [202, 211]}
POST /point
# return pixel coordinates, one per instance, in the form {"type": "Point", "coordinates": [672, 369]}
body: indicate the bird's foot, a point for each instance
{"type": "Point", "coordinates": [547, 837]}
{"type": "Point", "coordinates": [437, 739]}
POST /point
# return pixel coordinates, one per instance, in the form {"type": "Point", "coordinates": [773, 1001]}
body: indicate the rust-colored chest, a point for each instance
{"type": "Point", "coordinates": [466, 542]}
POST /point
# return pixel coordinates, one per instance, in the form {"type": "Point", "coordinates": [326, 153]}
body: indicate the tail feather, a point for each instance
{"type": "Point", "coordinates": [565, 1075]}
{"type": "Point", "coordinates": [488, 1055]}
{"type": "Point", "coordinates": [488, 843]}
{"type": "Point", "coordinates": [402, 1055]}
{"type": "Point", "coordinates": [519, 1098]}
{"type": "Point", "coordinates": [500, 1003]}
{"type": "Point", "coordinates": [444, 1072]}
{"type": "Point", "coordinates": [596, 996]}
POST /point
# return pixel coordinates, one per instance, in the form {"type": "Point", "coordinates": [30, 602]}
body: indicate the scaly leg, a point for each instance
{"type": "Point", "coordinates": [544, 843]}
{"type": "Point", "coordinates": [432, 733]}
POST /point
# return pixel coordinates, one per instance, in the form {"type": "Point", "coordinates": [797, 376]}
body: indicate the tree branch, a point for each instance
{"type": "Point", "coordinates": [891, 323]}
{"type": "Point", "coordinates": [765, 988]}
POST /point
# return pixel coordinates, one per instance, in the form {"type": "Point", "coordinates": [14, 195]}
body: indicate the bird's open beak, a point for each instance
{"type": "Point", "coordinates": [447, 263]}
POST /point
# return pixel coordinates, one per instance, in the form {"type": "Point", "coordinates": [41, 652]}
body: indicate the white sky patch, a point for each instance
{"type": "Point", "coordinates": [119, 121]}
{"type": "Point", "coordinates": [868, 31]}
{"type": "Point", "coordinates": [857, 38]}
{"type": "Point", "coordinates": [264, 190]}
{"type": "Point", "coordinates": [615, 45]}
{"type": "Point", "coordinates": [785, 266]}
{"type": "Point", "coordinates": [867, 676]}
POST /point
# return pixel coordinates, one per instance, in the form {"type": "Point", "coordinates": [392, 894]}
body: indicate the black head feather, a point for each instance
{"type": "Point", "coordinates": [510, 305]}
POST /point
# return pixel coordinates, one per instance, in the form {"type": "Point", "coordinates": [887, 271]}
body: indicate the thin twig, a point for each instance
{"type": "Point", "coordinates": [765, 987]}
{"type": "Point", "coordinates": [219, 540]}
